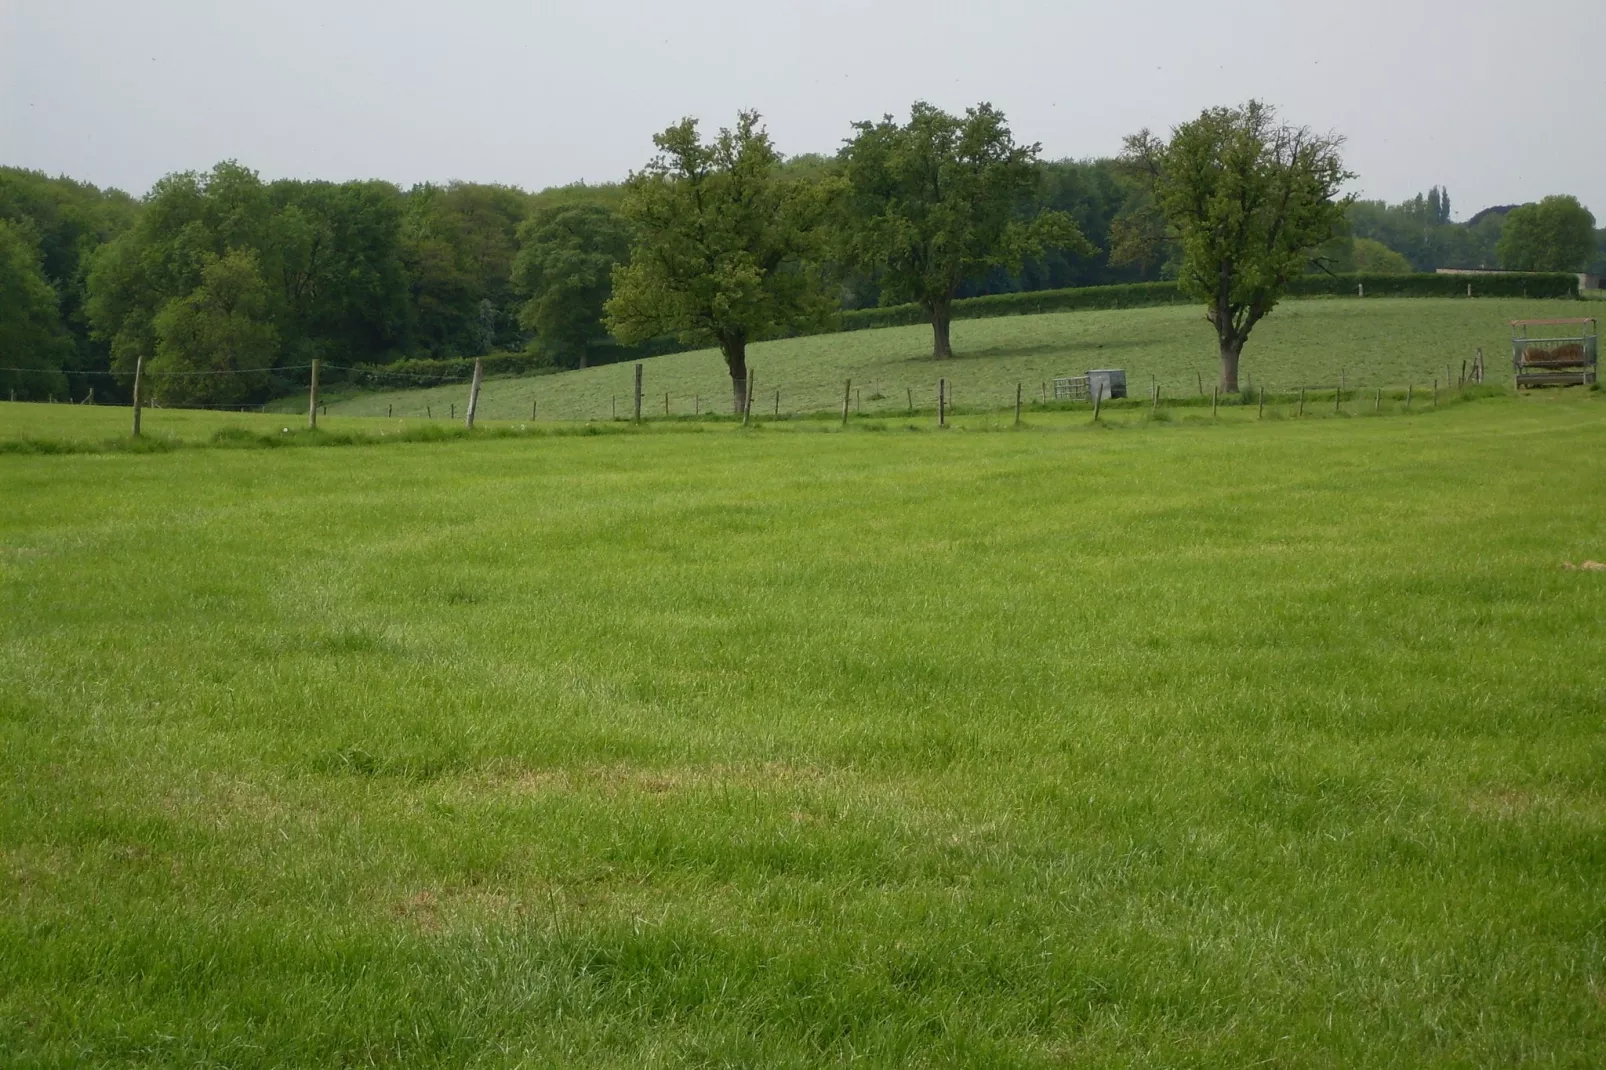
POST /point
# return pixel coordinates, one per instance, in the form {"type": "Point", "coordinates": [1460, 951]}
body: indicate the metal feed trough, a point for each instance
{"type": "Point", "coordinates": [1072, 388]}
{"type": "Point", "coordinates": [1567, 358]}
{"type": "Point", "coordinates": [1108, 382]}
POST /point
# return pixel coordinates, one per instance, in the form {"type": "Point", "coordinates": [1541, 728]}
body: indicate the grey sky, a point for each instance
{"type": "Point", "coordinates": [119, 92]}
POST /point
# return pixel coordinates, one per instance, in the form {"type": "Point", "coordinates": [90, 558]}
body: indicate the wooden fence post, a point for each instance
{"type": "Point", "coordinates": [1215, 400]}
{"type": "Point", "coordinates": [1338, 398]}
{"type": "Point", "coordinates": [858, 402]}
{"type": "Point", "coordinates": [1409, 389]}
{"type": "Point", "coordinates": [777, 404]}
{"type": "Point", "coordinates": [1200, 375]}
{"type": "Point", "coordinates": [942, 402]}
{"type": "Point", "coordinates": [638, 393]}
{"type": "Point", "coordinates": [847, 389]}
{"type": "Point", "coordinates": [1098, 400]}
{"type": "Point", "coordinates": [666, 403]}
{"type": "Point", "coordinates": [1301, 401]}
{"type": "Point", "coordinates": [474, 393]}
{"type": "Point", "coordinates": [1154, 408]}
{"type": "Point", "coordinates": [1435, 393]}
{"type": "Point", "coordinates": [911, 391]}
{"type": "Point", "coordinates": [390, 410]}
{"type": "Point", "coordinates": [1018, 388]}
{"type": "Point", "coordinates": [532, 408]}
{"type": "Point", "coordinates": [1260, 413]}
{"type": "Point", "coordinates": [1377, 405]}
{"type": "Point", "coordinates": [312, 399]}
{"type": "Point", "coordinates": [747, 401]}
{"type": "Point", "coordinates": [139, 371]}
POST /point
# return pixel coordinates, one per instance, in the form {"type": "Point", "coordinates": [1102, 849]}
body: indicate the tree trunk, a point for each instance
{"type": "Point", "coordinates": [582, 357]}
{"type": "Point", "coordinates": [1230, 350]}
{"type": "Point", "coordinates": [941, 317]}
{"type": "Point", "coordinates": [736, 359]}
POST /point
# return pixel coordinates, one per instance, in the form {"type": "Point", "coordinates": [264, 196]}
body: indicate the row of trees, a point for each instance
{"type": "Point", "coordinates": [1556, 234]}
{"type": "Point", "coordinates": [221, 271]}
{"type": "Point", "coordinates": [363, 272]}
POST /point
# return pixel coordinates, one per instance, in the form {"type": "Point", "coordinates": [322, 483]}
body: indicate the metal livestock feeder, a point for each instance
{"type": "Point", "coordinates": [1554, 358]}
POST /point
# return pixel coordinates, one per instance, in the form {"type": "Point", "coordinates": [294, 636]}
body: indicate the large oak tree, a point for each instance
{"type": "Point", "coordinates": [1244, 202]}
{"type": "Point", "coordinates": [941, 200]}
{"type": "Point", "coordinates": [719, 244]}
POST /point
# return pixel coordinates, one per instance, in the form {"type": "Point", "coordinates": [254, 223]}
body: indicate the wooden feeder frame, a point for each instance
{"type": "Point", "coordinates": [1552, 360]}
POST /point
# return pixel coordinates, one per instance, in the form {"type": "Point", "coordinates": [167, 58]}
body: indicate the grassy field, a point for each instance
{"type": "Point", "coordinates": [1151, 744]}
{"type": "Point", "coordinates": [1375, 342]}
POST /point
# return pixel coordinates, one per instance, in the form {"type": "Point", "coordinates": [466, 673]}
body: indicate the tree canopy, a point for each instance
{"type": "Point", "coordinates": [1373, 257]}
{"type": "Point", "coordinates": [941, 200]}
{"type": "Point", "coordinates": [30, 326]}
{"type": "Point", "coordinates": [565, 267]}
{"type": "Point", "coordinates": [721, 245]}
{"type": "Point", "coordinates": [932, 209]}
{"type": "Point", "coordinates": [215, 345]}
{"type": "Point", "coordinates": [1245, 201]}
{"type": "Point", "coordinates": [1557, 234]}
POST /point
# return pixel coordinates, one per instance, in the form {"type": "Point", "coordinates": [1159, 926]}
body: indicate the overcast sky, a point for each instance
{"type": "Point", "coordinates": [120, 92]}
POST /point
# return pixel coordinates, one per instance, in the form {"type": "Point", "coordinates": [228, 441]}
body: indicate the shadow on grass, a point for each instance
{"type": "Point", "coordinates": [1040, 349]}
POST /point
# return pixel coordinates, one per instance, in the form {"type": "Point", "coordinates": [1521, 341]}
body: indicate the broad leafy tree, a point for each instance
{"type": "Point", "coordinates": [1376, 258]}
{"type": "Point", "coordinates": [565, 264]}
{"type": "Point", "coordinates": [332, 254]}
{"type": "Point", "coordinates": [68, 221]}
{"type": "Point", "coordinates": [1557, 234]}
{"type": "Point", "coordinates": [1245, 202]}
{"type": "Point", "coordinates": [216, 344]}
{"type": "Point", "coordinates": [941, 200]}
{"type": "Point", "coordinates": [188, 221]}
{"type": "Point", "coordinates": [31, 334]}
{"type": "Point", "coordinates": [719, 245]}
{"type": "Point", "coordinates": [459, 244]}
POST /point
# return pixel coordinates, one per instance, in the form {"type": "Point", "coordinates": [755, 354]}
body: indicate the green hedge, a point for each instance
{"type": "Point", "coordinates": [1147, 294]}
{"type": "Point", "coordinates": [455, 369]}
{"type": "Point", "coordinates": [1536, 284]}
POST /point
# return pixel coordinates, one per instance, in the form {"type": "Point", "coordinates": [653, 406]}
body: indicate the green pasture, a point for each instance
{"type": "Point", "coordinates": [1167, 743]}
{"type": "Point", "coordinates": [1310, 343]}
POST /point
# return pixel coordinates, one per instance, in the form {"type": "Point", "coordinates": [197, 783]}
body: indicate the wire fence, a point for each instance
{"type": "Point", "coordinates": [310, 388]}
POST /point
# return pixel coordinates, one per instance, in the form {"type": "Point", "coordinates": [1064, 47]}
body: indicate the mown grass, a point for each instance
{"type": "Point", "coordinates": [1372, 342]}
{"type": "Point", "coordinates": [1202, 743]}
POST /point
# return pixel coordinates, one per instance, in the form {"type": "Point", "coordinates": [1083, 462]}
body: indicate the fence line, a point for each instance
{"type": "Point", "coordinates": [847, 400]}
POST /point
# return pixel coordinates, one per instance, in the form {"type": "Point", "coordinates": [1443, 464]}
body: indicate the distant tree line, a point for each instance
{"type": "Point", "coordinates": [721, 242]}
{"type": "Point", "coordinates": [1556, 234]}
